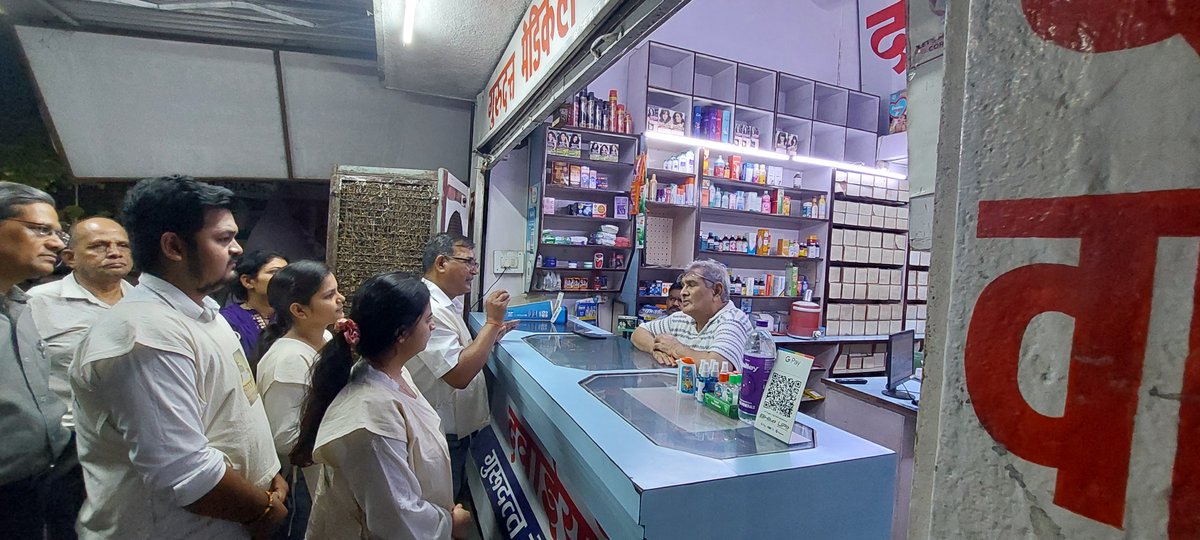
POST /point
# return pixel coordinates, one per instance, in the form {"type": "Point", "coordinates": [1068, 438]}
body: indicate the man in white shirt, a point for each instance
{"type": "Point", "coordinates": [172, 434]}
{"type": "Point", "coordinates": [709, 326]}
{"type": "Point", "coordinates": [99, 256]}
{"type": "Point", "coordinates": [448, 371]}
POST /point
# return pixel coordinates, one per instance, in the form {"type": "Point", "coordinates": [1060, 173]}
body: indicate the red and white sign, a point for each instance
{"type": "Point", "coordinates": [883, 46]}
{"type": "Point", "coordinates": [567, 520]}
{"type": "Point", "coordinates": [549, 30]}
{"type": "Point", "coordinates": [1069, 395]}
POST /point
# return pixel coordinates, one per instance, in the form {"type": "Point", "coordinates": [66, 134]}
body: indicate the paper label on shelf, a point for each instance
{"type": "Point", "coordinates": [782, 395]}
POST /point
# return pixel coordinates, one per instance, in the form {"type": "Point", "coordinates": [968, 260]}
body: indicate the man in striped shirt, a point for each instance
{"type": "Point", "coordinates": [709, 327]}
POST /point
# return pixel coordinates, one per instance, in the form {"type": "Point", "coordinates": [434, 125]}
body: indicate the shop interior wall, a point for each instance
{"type": "Point", "coordinates": [127, 107]}
{"type": "Point", "coordinates": [817, 40]}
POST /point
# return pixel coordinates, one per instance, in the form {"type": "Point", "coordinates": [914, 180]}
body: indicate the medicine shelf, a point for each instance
{"type": "Point", "coordinates": [872, 229]}
{"type": "Point", "coordinates": [568, 291]}
{"type": "Point", "coordinates": [757, 219]}
{"type": "Point", "coordinates": [565, 269]}
{"type": "Point", "coordinates": [664, 173]}
{"type": "Point", "coordinates": [739, 184]}
{"type": "Point", "coordinates": [780, 257]}
{"type": "Point", "coordinates": [584, 246]}
{"type": "Point", "coordinates": [598, 132]}
{"type": "Point", "coordinates": [608, 167]}
{"type": "Point", "coordinates": [869, 200]}
{"type": "Point", "coordinates": [586, 218]}
{"type": "Point", "coordinates": [574, 189]}
{"type": "Point", "coordinates": [849, 264]}
{"type": "Point", "coordinates": [815, 299]}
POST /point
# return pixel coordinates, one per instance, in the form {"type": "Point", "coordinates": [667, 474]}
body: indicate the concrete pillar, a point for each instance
{"type": "Point", "coordinates": [1062, 391]}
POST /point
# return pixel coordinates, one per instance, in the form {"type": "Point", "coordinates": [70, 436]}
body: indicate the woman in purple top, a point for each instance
{"type": "Point", "coordinates": [248, 311]}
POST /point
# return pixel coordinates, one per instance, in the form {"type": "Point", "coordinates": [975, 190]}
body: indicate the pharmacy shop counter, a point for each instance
{"type": "Point", "coordinates": [604, 447]}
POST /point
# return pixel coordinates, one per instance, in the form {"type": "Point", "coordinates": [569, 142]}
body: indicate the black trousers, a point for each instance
{"type": "Point", "coordinates": [45, 505]}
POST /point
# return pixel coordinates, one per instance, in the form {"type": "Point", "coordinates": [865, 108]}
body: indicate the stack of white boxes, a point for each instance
{"type": "Point", "coordinates": [870, 215]}
{"type": "Point", "coordinates": [916, 311]}
{"type": "Point", "coordinates": [847, 283]}
{"type": "Point", "coordinates": [870, 247]}
{"type": "Point", "coordinates": [861, 358]}
{"type": "Point", "coordinates": [870, 186]}
{"type": "Point", "coordinates": [863, 319]}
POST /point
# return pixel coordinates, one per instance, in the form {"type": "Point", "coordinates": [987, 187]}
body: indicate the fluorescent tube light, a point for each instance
{"type": "Point", "coordinates": [848, 167]}
{"type": "Point", "coordinates": [410, 19]}
{"type": "Point", "coordinates": [767, 154]}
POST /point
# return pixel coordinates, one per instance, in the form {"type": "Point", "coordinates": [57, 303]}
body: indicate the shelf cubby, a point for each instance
{"type": "Point", "coordinates": [715, 79]}
{"type": "Point", "coordinates": [755, 87]}
{"type": "Point", "coordinates": [764, 120]}
{"type": "Point", "coordinates": [829, 104]}
{"type": "Point", "coordinates": [801, 128]}
{"type": "Point", "coordinates": [860, 147]}
{"type": "Point", "coordinates": [795, 96]}
{"type": "Point", "coordinates": [862, 112]}
{"type": "Point", "coordinates": [670, 68]}
{"type": "Point", "coordinates": [828, 141]}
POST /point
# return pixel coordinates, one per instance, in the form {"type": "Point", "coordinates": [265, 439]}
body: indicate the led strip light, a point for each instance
{"type": "Point", "coordinates": [767, 154]}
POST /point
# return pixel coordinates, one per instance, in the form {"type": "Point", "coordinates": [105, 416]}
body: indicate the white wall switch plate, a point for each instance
{"type": "Point", "coordinates": [508, 262]}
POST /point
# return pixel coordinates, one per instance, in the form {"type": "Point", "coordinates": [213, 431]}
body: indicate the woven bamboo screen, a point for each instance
{"type": "Point", "coordinates": [379, 221]}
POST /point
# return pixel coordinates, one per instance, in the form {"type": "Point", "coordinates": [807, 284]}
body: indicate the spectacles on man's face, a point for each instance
{"type": "Point", "coordinates": [41, 230]}
{"type": "Point", "coordinates": [469, 261]}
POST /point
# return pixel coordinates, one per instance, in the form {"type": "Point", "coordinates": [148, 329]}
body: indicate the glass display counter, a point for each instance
{"type": "Point", "coordinates": [589, 354]}
{"type": "Point", "coordinates": [650, 403]}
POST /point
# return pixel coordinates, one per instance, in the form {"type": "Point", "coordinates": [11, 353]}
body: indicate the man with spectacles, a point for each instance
{"type": "Point", "coordinates": [99, 256]}
{"type": "Point", "coordinates": [708, 327]}
{"type": "Point", "coordinates": [40, 479]}
{"type": "Point", "coordinates": [448, 370]}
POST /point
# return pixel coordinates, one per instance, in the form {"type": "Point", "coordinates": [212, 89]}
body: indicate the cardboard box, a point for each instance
{"type": "Point", "coordinates": [872, 328]}
{"type": "Point", "coordinates": [922, 278]}
{"type": "Point", "coordinates": [838, 234]}
{"type": "Point", "coordinates": [863, 221]}
{"type": "Point", "coordinates": [834, 312]}
{"type": "Point", "coordinates": [860, 293]}
{"type": "Point", "coordinates": [849, 238]}
{"type": "Point", "coordinates": [902, 223]}
{"type": "Point", "coordinates": [898, 257]}
{"type": "Point", "coordinates": [895, 327]}
{"type": "Point", "coordinates": [922, 293]}
{"type": "Point", "coordinates": [839, 217]}
{"type": "Point", "coordinates": [912, 292]}
{"type": "Point", "coordinates": [877, 222]}
{"type": "Point", "coordinates": [894, 292]}
{"type": "Point", "coordinates": [836, 253]}
{"type": "Point", "coordinates": [925, 256]}
{"type": "Point", "coordinates": [903, 196]}
{"type": "Point", "coordinates": [911, 312]}
{"type": "Point", "coordinates": [835, 292]}
{"type": "Point", "coordinates": [914, 257]}
{"type": "Point", "coordinates": [902, 212]}
{"type": "Point", "coordinates": [853, 178]}
{"type": "Point", "coordinates": [889, 223]}
{"type": "Point", "coordinates": [835, 274]}
{"type": "Point", "coordinates": [873, 312]}
{"type": "Point", "coordinates": [872, 275]}
{"type": "Point", "coordinates": [876, 238]}
{"type": "Point", "coordinates": [922, 312]}
{"type": "Point", "coordinates": [860, 312]}
{"type": "Point", "coordinates": [833, 328]}
{"type": "Point", "coordinates": [875, 256]}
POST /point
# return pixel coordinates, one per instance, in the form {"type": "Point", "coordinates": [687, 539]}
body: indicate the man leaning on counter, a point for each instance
{"type": "Point", "coordinates": [709, 327]}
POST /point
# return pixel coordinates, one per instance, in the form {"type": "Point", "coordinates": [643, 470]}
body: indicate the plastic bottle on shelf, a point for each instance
{"type": "Point", "coordinates": [766, 202]}
{"type": "Point", "coordinates": [814, 248]}
{"type": "Point", "coordinates": [765, 247]}
{"type": "Point", "coordinates": [807, 210]}
{"type": "Point", "coordinates": [757, 363]}
{"type": "Point", "coordinates": [719, 167]}
{"type": "Point", "coordinates": [724, 200]}
{"type": "Point", "coordinates": [741, 200]}
{"type": "Point", "coordinates": [821, 207]}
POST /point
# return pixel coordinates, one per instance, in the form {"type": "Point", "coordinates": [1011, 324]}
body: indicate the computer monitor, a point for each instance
{"type": "Point", "coordinates": [899, 363]}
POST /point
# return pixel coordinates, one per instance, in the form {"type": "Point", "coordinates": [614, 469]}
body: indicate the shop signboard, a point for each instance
{"type": "Point", "coordinates": [1066, 400]}
{"type": "Point", "coordinates": [927, 30]}
{"type": "Point", "coordinates": [566, 520]}
{"type": "Point", "coordinates": [545, 35]}
{"type": "Point", "coordinates": [515, 517]}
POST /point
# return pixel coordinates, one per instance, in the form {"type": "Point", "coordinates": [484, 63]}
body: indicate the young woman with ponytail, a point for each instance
{"type": "Point", "coordinates": [306, 302]}
{"type": "Point", "coordinates": [386, 467]}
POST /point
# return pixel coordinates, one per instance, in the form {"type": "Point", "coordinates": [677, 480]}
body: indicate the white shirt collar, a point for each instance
{"type": "Point", "coordinates": [437, 295]}
{"type": "Point", "coordinates": [71, 288]}
{"type": "Point", "coordinates": [178, 300]}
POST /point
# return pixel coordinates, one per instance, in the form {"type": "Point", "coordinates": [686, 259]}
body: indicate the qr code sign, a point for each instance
{"type": "Point", "coordinates": [781, 393]}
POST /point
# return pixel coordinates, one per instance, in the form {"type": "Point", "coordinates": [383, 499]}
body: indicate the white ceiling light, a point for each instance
{"type": "Point", "coordinates": [848, 167]}
{"type": "Point", "coordinates": [410, 19]}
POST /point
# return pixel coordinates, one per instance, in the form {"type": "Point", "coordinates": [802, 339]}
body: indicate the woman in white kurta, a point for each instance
{"type": "Point", "coordinates": [386, 467]}
{"type": "Point", "coordinates": [306, 302]}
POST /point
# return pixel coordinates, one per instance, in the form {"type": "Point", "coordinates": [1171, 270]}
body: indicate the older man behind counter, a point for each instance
{"type": "Point", "coordinates": [99, 256]}
{"type": "Point", "coordinates": [709, 326]}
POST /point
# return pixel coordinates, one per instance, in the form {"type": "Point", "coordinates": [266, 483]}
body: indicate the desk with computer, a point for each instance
{"type": "Point", "coordinates": [883, 410]}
